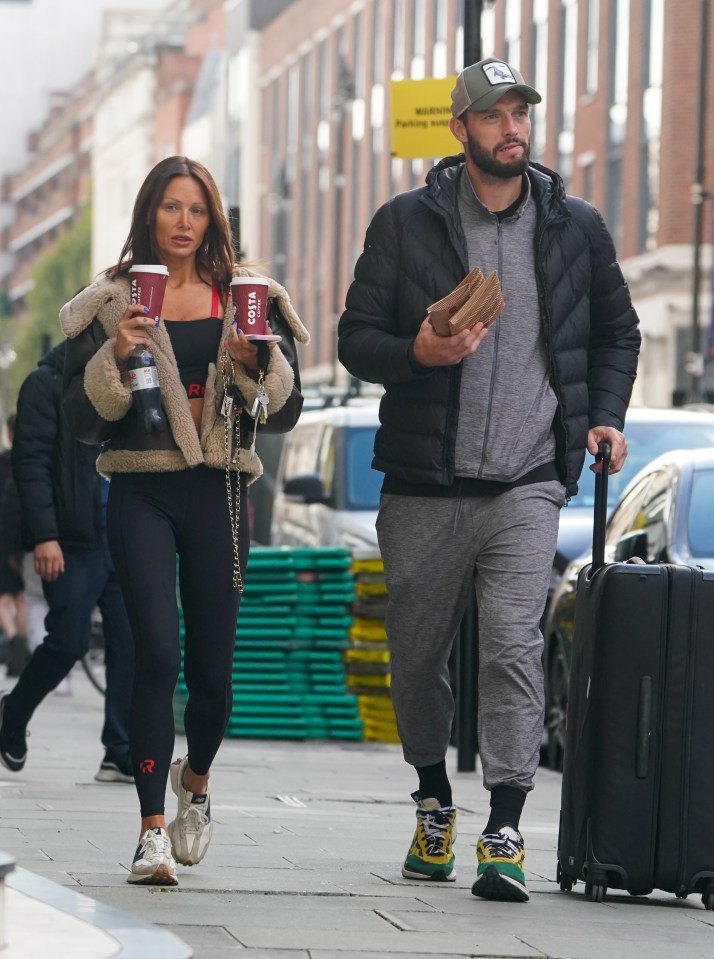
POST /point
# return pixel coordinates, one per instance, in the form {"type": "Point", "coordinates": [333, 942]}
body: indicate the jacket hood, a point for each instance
{"type": "Point", "coordinates": [548, 186]}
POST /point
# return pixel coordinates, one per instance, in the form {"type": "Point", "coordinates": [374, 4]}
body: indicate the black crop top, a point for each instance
{"type": "Point", "coordinates": [195, 344]}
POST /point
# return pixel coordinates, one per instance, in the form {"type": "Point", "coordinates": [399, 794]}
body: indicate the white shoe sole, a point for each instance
{"type": "Point", "coordinates": [164, 875]}
{"type": "Point", "coordinates": [187, 855]}
{"type": "Point", "coordinates": [112, 776]}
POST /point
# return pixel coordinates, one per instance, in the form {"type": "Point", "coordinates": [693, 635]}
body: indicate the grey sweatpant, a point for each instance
{"type": "Point", "coordinates": [434, 549]}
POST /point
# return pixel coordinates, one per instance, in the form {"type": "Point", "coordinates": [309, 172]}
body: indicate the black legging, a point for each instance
{"type": "Point", "coordinates": [152, 517]}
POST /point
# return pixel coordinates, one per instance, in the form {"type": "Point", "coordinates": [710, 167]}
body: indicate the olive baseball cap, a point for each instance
{"type": "Point", "coordinates": [480, 85]}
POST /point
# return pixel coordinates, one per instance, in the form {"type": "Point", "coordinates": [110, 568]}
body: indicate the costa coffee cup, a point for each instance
{"type": "Point", "coordinates": [148, 285]}
{"type": "Point", "coordinates": [250, 299]}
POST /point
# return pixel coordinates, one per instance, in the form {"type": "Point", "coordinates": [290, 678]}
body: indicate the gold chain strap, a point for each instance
{"type": "Point", "coordinates": [233, 507]}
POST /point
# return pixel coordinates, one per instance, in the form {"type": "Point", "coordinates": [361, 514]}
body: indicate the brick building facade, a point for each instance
{"type": "Point", "coordinates": [287, 101]}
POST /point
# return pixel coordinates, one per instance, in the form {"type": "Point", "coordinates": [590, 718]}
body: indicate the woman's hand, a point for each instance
{"type": "Point", "coordinates": [243, 350]}
{"type": "Point", "coordinates": [132, 331]}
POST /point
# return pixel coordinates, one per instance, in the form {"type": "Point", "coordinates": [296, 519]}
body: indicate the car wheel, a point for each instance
{"type": "Point", "coordinates": [556, 707]}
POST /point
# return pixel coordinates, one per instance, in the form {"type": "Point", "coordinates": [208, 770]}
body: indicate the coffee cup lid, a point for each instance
{"type": "Point", "coordinates": [149, 268]}
{"type": "Point", "coordinates": [252, 280]}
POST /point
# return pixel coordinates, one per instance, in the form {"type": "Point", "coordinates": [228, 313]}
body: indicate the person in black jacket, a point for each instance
{"type": "Point", "coordinates": [483, 436]}
{"type": "Point", "coordinates": [62, 499]}
{"type": "Point", "coordinates": [13, 609]}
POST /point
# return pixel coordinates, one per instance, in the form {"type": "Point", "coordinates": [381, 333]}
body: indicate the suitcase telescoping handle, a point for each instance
{"type": "Point", "coordinates": [600, 520]}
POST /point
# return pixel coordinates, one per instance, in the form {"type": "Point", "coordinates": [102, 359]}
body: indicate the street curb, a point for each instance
{"type": "Point", "coordinates": [136, 938]}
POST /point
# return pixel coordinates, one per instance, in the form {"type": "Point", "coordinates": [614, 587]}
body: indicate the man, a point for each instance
{"type": "Point", "coordinates": [62, 500]}
{"type": "Point", "coordinates": [483, 438]}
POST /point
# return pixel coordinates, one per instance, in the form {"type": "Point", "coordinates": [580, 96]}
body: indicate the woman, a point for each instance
{"type": "Point", "coordinates": [179, 491]}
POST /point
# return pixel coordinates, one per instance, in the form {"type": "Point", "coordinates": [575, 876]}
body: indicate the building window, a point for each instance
{"type": "Point", "coordinates": [588, 181]}
{"type": "Point", "coordinates": [397, 39]}
{"type": "Point", "coordinates": [293, 116]}
{"type": "Point", "coordinates": [619, 28]}
{"type": "Point", "coordinates": [513, 32]}
{"type": "Point", "coordinates": [651, 124]}
{"type": "Point", "coordinates": [376, 107]}
{"type": "Point", "coordinates": [488, 30]}
{"type": "Point", "coordinates": [439, 66]}
{"type": "Point", "coordinates": [323, 185]}
{"type": "Point", "coordinates": [278, 190]}
{"type": "Point", "coordinates": [418, 67]}
{"type": "Point", "coordinates": [592, 45]}
{"type": "Point", "coordinates": [619, 66]}
{"type": "Point", "coordinates": [303, 199]}
{"type": "Point", "coordinates": [540, 75]}
{"type": "Point", "coordinates": [358, 128]}
{"type": "Point", "coordinates": [568, 92]}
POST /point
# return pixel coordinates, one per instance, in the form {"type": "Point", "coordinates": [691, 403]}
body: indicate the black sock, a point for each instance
{"type": "Point", "coordinates": [434, 783]}
{"type": "Point", "coordinates": [506, 808]}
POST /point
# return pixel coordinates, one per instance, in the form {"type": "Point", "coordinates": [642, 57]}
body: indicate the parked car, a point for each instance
{"type": "Point", "coordinates": [649, 432]}
{"type": "Point", "coordinates": [664, 515]}
{"type": "Point", "coordinates": [326, 493]}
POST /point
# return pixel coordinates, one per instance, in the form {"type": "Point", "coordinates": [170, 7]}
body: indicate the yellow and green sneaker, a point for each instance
{"type": "Point", "coordinates": [431, 855]}
{"type": "Point", "coordinates": [500, 875]}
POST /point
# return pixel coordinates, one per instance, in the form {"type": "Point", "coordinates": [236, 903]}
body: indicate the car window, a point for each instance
{"type": "Point", "coordinates": [700, 521]}
{"type": "Point", "coordinates": [326, 460]}
{"type": "Point", "coordinates": [362, 483]}
{"type": "Point", "coordinates": [626, 517]}
{"type": "Point", "coordinates": [301, 451]}
{"type": "Point", "coordinates": [645, 441]}
{"type": "Point", "coordinates": [654, 514]}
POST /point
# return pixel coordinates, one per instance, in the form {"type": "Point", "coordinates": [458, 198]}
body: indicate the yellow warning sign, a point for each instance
{"type": "Point", "coordinates": [420, 113]}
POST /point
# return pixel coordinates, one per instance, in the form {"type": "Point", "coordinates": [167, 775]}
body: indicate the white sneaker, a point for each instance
{"type": "Point", "coordinates": [153, 863]}
{"type": "Point", "coordinates": [192, 828]}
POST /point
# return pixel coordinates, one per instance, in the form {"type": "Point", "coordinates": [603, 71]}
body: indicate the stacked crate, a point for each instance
{"type": "Point", "coordinates": [293, 627]}
{"type": "Point", "coordinates": [367, 658]}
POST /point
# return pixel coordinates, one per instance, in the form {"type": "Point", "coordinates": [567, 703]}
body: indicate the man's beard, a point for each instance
{"type": "Point", "coordinates": [502, 169]}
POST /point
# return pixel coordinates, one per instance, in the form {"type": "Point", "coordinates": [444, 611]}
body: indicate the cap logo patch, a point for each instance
{"type": "Point", "coordinates": [498, 72]}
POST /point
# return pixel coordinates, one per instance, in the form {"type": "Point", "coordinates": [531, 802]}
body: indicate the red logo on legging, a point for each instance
{"type": "Point", "coordinates": [146, 765]}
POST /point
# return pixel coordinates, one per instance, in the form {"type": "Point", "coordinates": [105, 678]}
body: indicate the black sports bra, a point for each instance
{"type": "Point", "coordinates": [195, 344]}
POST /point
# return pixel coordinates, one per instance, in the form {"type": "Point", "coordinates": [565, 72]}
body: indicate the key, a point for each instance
{"type": "Point", "coordinates": [264, 400]}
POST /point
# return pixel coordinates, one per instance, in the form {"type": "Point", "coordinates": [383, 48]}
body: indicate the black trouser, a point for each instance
{"type": "Point", "coordinates": [151, 518]}
{"type": "Point", "coordinates": [88, 580]}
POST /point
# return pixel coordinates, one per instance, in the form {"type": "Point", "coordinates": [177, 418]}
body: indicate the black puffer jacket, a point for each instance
{"type": "Point", "coordinates": [415, 253]}
{"type": "Point", "coordinates": [56, 476]}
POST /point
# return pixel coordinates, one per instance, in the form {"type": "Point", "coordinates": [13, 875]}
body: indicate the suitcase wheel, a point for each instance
{"type": "Point", "coordinates": [565, 882]}
{"type": "Point", "coordinates": [595, 891]}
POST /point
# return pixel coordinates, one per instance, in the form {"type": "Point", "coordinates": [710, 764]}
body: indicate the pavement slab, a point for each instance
{"type": "Point", "coordinates": [306, 859]}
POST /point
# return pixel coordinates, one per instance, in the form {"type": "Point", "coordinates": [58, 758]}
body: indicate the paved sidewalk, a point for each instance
{"type": "Point", "coordinates": [305, 860]}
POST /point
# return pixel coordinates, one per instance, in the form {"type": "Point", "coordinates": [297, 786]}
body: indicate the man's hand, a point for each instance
{"type": "Point", "coordinates": [49, 559]}
{"type": "Point", "coordinates": [618, 447]}
{"type": "Point", "coordinates": [433, 350]}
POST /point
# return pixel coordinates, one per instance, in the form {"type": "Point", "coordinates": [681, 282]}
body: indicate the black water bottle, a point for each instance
{"type": "Point", "coordinates": [144, 382]}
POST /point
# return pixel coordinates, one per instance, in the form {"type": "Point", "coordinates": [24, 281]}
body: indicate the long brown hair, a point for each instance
{"type": "Point", "coordinates": [214, 258]}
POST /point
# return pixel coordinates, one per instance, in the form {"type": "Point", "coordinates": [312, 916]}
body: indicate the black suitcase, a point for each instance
{"type": "Point", "coordinates": [637, 806]}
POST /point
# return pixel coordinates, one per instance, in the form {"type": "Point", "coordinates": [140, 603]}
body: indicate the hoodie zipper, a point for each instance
{"type": "Point", "coordinates": [546, 327]}
{"type": "Point", "coordinates": [494, 362]}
